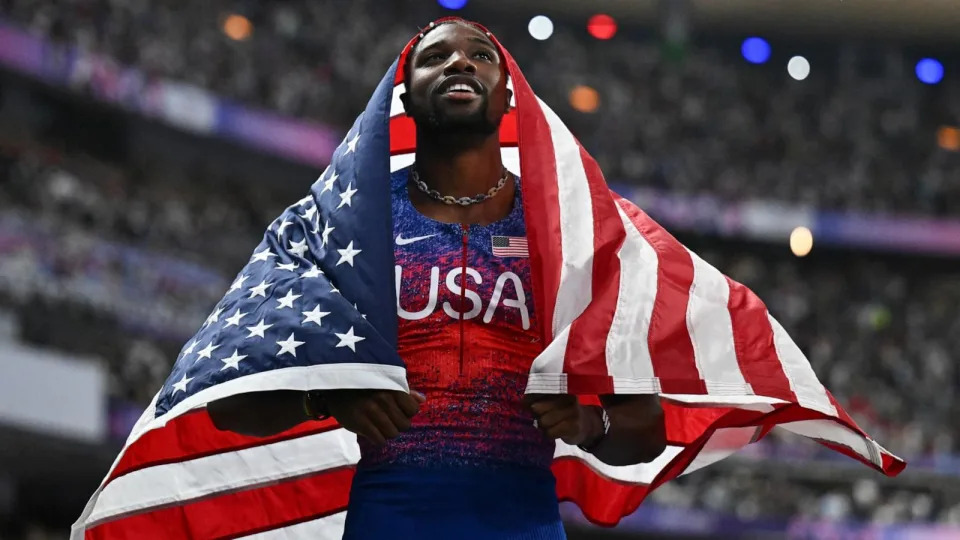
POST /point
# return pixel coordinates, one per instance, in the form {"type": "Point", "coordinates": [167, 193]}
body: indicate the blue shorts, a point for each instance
{"type": "Point", "coordinates": [463, 503]}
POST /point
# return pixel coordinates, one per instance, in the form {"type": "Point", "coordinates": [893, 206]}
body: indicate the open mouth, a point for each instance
{"type": "Point", "coordinates": [465, 89]}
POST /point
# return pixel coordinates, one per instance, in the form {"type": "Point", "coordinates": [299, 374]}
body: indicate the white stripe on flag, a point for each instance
{"type": "Point", "coordinates": [803, 381]}
{"type": "Point", "coordinates": [177, 482]}
{"type": "Point", "coordinates": [642, 473]}
{"type": "Point", "coordinates": [711, 330]}
{"type": "Point", "coordinates": [325, 528]}
{"type": "Point", "coordinates": [836, 433]}
{"type": "Point", "coordinates": [510, 155]}
{"type": "Point", "coordinates": [628, 351]}
{"type": "Point", "coordinates": [576, 225]}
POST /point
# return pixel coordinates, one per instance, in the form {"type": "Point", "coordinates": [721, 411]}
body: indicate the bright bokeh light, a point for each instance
{"type": "Point", "coordinates": [602, 26]}
{"type": "Point", "coordinates": [452, 4]}
{"type": "Point", "coordinates": [584, 99]}
{"type": "Point", "coordinates": [929, 71]}
{"type": "Point", "coordinates": [948, 138]}
{"type": "Point", "coordinates": [798, 67]}
{"type": "Point", "coordinates": [801, 241]}
{"type": "Point", "coordinates": [755, 50]}
{"type": "Point", "coordinates": [540, 27]}
{"type": "Point", "coordinates": [237, 27]}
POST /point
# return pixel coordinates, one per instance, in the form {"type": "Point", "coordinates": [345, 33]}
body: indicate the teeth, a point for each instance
{"type": "Point", "coordinates": [460, 88]}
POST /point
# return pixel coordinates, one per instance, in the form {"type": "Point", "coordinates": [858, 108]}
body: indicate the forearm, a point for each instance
{"type": "Point", "coordinates": [259, 414]}
{"type": "Point", "coordinates": [637, 431]}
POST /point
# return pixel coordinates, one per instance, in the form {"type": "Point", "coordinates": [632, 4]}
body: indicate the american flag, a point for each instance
{"type": "Point", "coordinates": [509, 246]}
{"type": "Point", "coordinates": [626, 309]}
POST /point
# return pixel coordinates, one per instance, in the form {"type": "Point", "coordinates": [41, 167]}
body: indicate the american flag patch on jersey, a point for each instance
{"type": "Point", "coordinates": [509, 246]}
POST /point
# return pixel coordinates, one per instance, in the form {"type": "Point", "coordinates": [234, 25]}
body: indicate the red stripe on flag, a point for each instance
{"type": "Point", "coordinates": [754, 344]}
{"type": "Point", "coordinates": [586, 353]}
{"type": "Point", "coordinates": [403, 133]}
{"type": "Point", "coordinates": [671, 348]}
{"type": "Point", "coordinates": [193, 435]}
{"type": "Point", "coordinates": [239, 513]}
{"type": "Point", "coordinates": [539, 166]}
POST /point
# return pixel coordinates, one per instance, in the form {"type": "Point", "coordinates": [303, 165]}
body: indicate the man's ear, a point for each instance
{"type": "Point", "coordinates": [405, 99]}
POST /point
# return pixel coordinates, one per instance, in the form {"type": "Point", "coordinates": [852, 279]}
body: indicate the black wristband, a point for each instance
{"type": "Point", "coordinates": [314, 406]}
{"type": "Point", "coordinates": [592, 445]}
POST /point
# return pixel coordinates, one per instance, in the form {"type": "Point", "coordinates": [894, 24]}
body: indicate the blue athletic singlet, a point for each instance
{"type": "Point", "coordinates": [472, 465]}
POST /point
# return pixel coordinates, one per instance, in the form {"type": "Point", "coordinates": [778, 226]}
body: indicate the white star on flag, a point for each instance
{"type": "Point", "coordinates": [314, 315]}
{"type": "Point", "coordinates": [182, 385]}
{"type": "Point", "coordinates": [262, 256]}
{"type": "Point", "coordinates": [328, 183]}
{"type": "Point", "coordinates": [207, 351]}
{"type": "Point", "coordinates": [352, 144]}
{"type": "Point", "coordinates": [233, 361]}
{"type": "Point", "coordinates": [283, 225]}
{"type": "Point", "coordinates": [347, 254]}
{"type": "Point", "coordinates": [238, 283]}
{"type": "Point", "coordinates": [289, 345]}
{"type": "Point", "coordinates": [313, 272]}
{"type": "Point", "coordinates": [259, 329]}
{"type": "Point", "coordinates": [260, 290]}
{"type": "Point", "coordinates": [358, 311]}
{"type": "Point", "coordinates": [234, 320]}
{"type": "Point", "coordinates": [308, 214]}
{"type": "Point", "coordinates": [189, 349]}
{"type": "Point", "coordinates": [214, 317]}
{"type": "Point", "coordinates": [349, 339]}
{"type": "Point", "coordinates": [290, 267]}
{"type": "Point", "coordinates": [347, 196]}
{"type": "Point", "coordinates": [287, 301]}
{"type": "Point", "coordinates": [327, 229]}
{"type": "Point", "coordinates": [298, 248]}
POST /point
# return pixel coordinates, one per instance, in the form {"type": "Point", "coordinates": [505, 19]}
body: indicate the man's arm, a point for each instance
{"type": "Point", "coordinates": [378, 415]}
{"type": "Point", "coordinates": [637, 431]}
{"type": "Point", "coordinates": [259, 414]}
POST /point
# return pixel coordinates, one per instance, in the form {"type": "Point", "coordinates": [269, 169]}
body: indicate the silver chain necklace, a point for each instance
{"type": "Point", "coordinates": [462, 201]}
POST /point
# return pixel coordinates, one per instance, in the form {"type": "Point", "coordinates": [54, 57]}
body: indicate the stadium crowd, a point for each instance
{"type": "Point", "coordinates": [859, 134]}
{"type": "Point", "coordinates": [124, 261]}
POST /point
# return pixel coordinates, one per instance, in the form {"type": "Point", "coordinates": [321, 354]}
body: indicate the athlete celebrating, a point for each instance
{"type": "Point", "coordinates": [466, 454]}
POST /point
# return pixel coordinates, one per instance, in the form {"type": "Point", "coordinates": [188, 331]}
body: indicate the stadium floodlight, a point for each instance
{"type": "Point", "coordinates": [798, 67]}
{"type": "Point", "coordinates": [540, 27]}
{"type": "Point", "coordinates": [929, 71]}
{"type": "Point", "coordinates": [452, 4]}
{"type": "Point", "coordinates": [755, 50]}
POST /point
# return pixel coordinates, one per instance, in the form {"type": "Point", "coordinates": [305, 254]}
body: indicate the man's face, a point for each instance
{"type": "Point", "coordinates": [457, 83]}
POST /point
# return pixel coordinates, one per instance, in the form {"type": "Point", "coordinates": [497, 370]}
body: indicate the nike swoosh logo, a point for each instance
{"type": "Point", "coordinates": [401, 241]}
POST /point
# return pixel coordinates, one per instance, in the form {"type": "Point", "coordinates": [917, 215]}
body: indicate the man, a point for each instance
{"type": "Point", "coordinates": [465, 454]}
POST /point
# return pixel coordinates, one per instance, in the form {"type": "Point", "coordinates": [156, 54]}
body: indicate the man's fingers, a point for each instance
{"type": "Point", "coordinates": [556, 416]}
{"type": "Point", "coordinates": [367, 429]}
{"type": "Point", "coordinates": [564, 429]}
{"type": "Point", "coordinates": [399, 419]}
{"type": "Point", "coordinates": [384, 424]}
{"type": "Point", "coordinates": [544, 404]}
{"type": "Point", "coordinates": [409, 403]}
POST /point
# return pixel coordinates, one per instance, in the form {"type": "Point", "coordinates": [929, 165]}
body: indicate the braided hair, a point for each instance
{"type": "Point", "coordinates": [430, 28]}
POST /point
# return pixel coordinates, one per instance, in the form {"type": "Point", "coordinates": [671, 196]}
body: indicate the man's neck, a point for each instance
{"type": "Point", "coordinates": [461, 170]}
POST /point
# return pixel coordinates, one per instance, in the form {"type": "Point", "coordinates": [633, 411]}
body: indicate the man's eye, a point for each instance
{"type": "Point", "coordinates": [484, 55]}
{"type": "Point", "coordinates": [433, 57]}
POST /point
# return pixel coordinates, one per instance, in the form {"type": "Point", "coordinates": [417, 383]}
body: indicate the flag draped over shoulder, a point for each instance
{"type": "Point", "coordinates": [625, 308]}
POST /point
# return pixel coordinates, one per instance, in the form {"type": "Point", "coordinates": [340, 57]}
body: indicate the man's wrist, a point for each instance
{"type": "Point", "coordinates": [600, 426]}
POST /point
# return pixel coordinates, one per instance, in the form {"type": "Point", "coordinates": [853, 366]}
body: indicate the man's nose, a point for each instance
{"type": "Point", "coordinates": [459, 63]}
